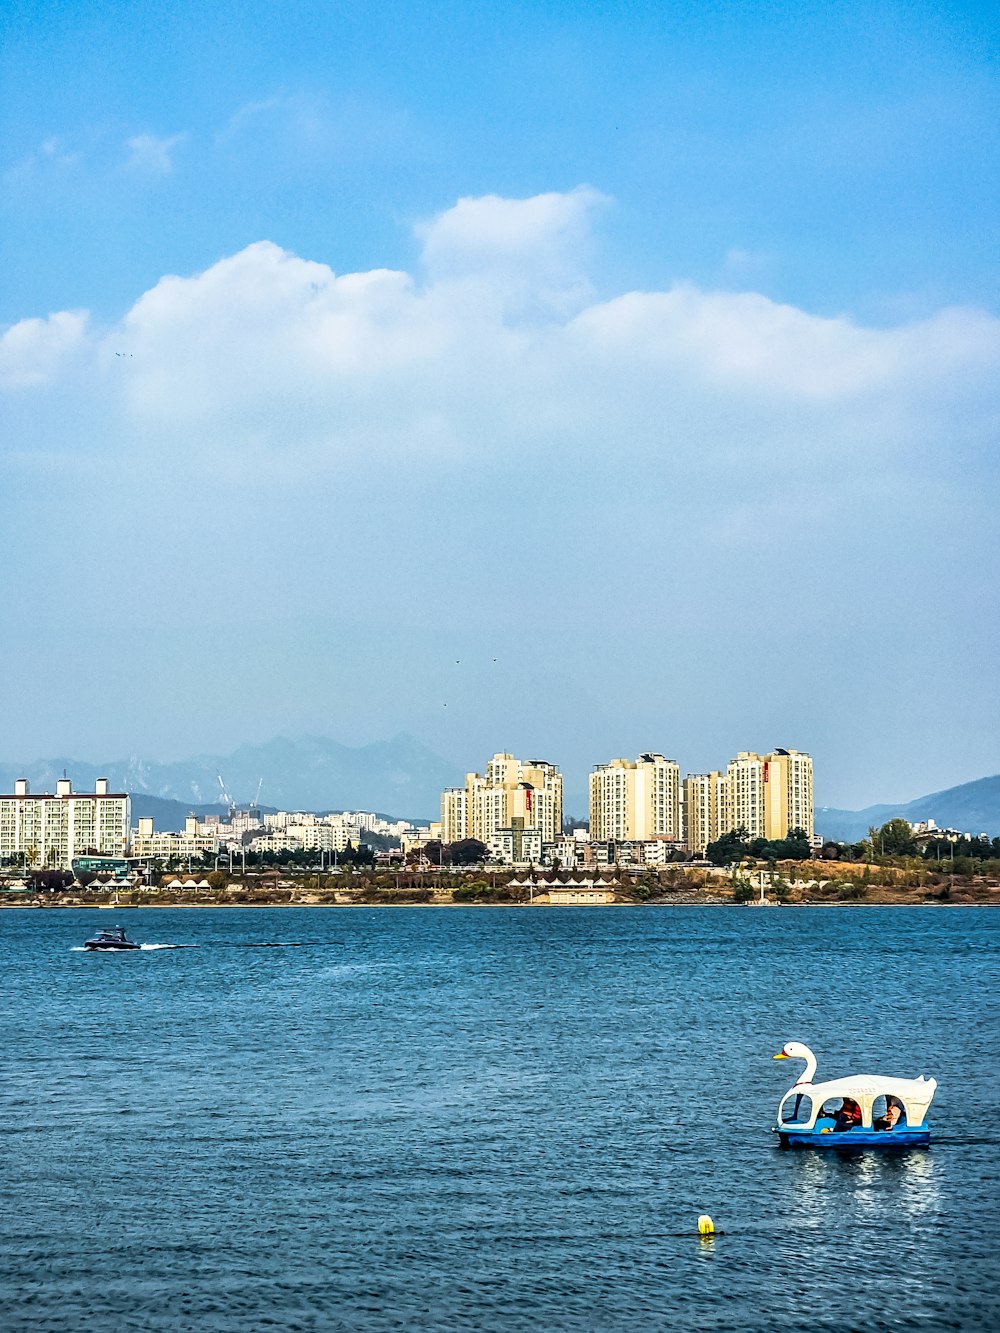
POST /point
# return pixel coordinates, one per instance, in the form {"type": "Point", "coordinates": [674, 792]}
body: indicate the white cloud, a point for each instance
{"type": "Point", "coordinates": [33, 351]}
{"type": "Point", "coordinates": [298, 117]}
{"type": "Point", "coordinates": [153, 153]}
{"type": "Point", "coordinates": [248, 113]}
{"type": "Point", "coordinates": [748, 343]}
{"type": "Point", "coordinates": [524, 257]}
{"type": "Point", "coordinates": [754, 515]}
{"type": "Point", "coordinates": [478, 234]}
{"type": "Point", "coordinates": [52, 154]}
{"type": "Point", "coordinates": [497, 349]}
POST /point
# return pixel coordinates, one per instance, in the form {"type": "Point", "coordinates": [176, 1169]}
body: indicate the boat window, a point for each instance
{"type": "Point", "coordinates": [831, 1106]}
{"type": "Point", "coordinates": [796, 1109]}
{"type": "Point", "coordinates": [881, 1105]}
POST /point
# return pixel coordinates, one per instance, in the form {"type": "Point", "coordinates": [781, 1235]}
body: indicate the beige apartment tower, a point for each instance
{"type": "Point", "coordinates": [788, 793]}
{"type": "Point", "coordinates": [770, 794]}
{"type": "Point", "coordinates": [706, 807]}
{"type": "Point", "coordinates": [636, 801]}
{"type": "Point", "coordinates": [527, 793]}
{"type": "Point", "coordinates": [454, 814]}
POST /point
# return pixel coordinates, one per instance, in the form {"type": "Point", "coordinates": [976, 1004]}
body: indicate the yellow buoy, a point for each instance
{"type": "Point", "coordinates": [706, 1227]}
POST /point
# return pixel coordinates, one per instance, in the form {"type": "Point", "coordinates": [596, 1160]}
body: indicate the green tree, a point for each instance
{"type": "Point", "coordinates": [798, 845]}
{"type": "Point", "coordinates": [436, 852]}
{"type": "Point", "coordinates": [894, 838]}
{"type": "Point", "coordinates": [780, 888]}
{"type": "Point", "coordinates": [467, 851]}
{"type": "Point", "coordinates": [742, 890]}
{"type": "Point", "coordinates": [730, 847]}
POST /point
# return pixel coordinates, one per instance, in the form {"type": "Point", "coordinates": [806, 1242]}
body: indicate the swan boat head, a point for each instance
{"type": "Point", "coordinates": [797, 1050]}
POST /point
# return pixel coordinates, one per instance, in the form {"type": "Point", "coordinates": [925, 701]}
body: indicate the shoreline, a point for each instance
{"type": "Point", "coordinates": [556, 907]}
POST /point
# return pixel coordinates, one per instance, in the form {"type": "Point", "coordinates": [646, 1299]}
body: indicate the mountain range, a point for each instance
{"type": "Point", "coordinates": [400, 776]}
{"type": "Point", "coordinates": [973, 807]}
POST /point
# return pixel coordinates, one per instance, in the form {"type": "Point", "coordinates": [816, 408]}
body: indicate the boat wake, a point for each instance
{"type": "Point", "coordinates": [290, 944]}
{"type": "Point", "coordinates": [143, 948]}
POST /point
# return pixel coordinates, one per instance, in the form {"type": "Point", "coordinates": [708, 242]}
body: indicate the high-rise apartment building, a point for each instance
{"type": "Point", "coordinates": [454, 814]}
{"type": "Point", "coordinates": [706, 805]}
{"type": "Point", "coordinates": [770, 794]}
{"type": "Point", "coordinates": [636, 801]}
{"type": "Point", "coordinates": [513, 793]}
{"type": "Point", "coordinates": [788, 784]}
{"type": "Point", "coordinates": [50, 830]}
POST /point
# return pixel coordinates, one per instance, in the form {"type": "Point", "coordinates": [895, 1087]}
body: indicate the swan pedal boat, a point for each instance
{"type": "Point", "coordinates": [803, 1124]}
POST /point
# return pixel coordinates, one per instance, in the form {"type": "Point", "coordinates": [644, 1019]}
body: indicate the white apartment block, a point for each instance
{"type": "Point", "coordinates": [195, 841]}
{"type": "Point", "coordinates": [322, 832]}
{"type": "Point", "coordinates": [636, 801]}
{"type": "Point", "coordinates": [566, 850]}
{"type": "Point", "coordinates": [515, 846]}
{"type": "Point", "coordinates": [50, 830]}
{"type": "Point", "coordinates": [311, 836]}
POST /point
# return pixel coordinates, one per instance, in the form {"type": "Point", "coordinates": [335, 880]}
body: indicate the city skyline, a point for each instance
{"type": "Point", "coordinates": [634, 384]}
{"type": "Point", "coordinates": [198, 780]}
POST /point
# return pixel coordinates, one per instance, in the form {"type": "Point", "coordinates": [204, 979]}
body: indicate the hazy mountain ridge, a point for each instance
{"type": "Point", "coordinates": [972, 807]}
{"type": "Point", "coordinates": [398, 775]}
{"type": "Point", "coordinates": [403, 777]}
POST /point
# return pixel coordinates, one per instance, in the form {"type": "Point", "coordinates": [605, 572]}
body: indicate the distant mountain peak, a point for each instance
{"type": "Point", "coordinates": [971, 807]}
{"type": "Point", "coordinates": [314, 773]}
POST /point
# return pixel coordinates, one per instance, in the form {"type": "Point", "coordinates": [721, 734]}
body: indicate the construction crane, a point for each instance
{"type": "Point", "coordinates": [227, 799]}
{"type": "Point", "coordinates": [256, 799]}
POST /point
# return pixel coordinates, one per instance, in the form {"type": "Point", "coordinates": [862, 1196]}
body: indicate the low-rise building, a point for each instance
{"type": "Point", "coordinates": [196, 840]}
{"type": "Point", "coordinates": [584, 894]}
{"type": "Point", "coordinates": [515, 845]}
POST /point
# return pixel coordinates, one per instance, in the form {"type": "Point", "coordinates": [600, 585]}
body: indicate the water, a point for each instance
{"type": "Point", "coordinates": [490, 1119]}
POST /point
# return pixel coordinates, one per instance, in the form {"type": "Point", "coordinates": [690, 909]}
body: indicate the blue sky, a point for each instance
{"type": "Point", "coordinates": [660, 364]}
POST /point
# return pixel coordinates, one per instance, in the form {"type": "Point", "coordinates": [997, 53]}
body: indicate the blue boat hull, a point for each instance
{"type": "Point", "coordinates": [855, 1138]}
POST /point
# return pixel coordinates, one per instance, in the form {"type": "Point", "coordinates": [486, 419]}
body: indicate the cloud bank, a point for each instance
{"type": "Point", "coordinates": [497, 342]}
{"type": "Point", "coordinates": [717, 520]}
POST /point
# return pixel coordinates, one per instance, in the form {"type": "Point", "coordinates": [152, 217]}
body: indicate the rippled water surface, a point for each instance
{"type": "Point", "coordinates": [482, 1118]}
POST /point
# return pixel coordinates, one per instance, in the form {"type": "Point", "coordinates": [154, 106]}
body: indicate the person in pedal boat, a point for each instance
{"type": "Point", "coordinates": [848, 1116]}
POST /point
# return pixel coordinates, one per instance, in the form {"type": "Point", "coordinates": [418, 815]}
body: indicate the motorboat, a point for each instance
{"type": "Point", "coordinates": [861, 1111]}
{"type": "Point", "coordinates": [115, 938]}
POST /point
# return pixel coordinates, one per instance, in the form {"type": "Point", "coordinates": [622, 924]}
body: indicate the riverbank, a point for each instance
{"type": "Point", "coordinates": [158, 899]}
{"type": "Point", "coordinates": [812, 883]}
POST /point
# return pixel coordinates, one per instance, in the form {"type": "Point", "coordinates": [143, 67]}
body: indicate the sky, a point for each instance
{"type": "Point", "coordinates": [568, 379]}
